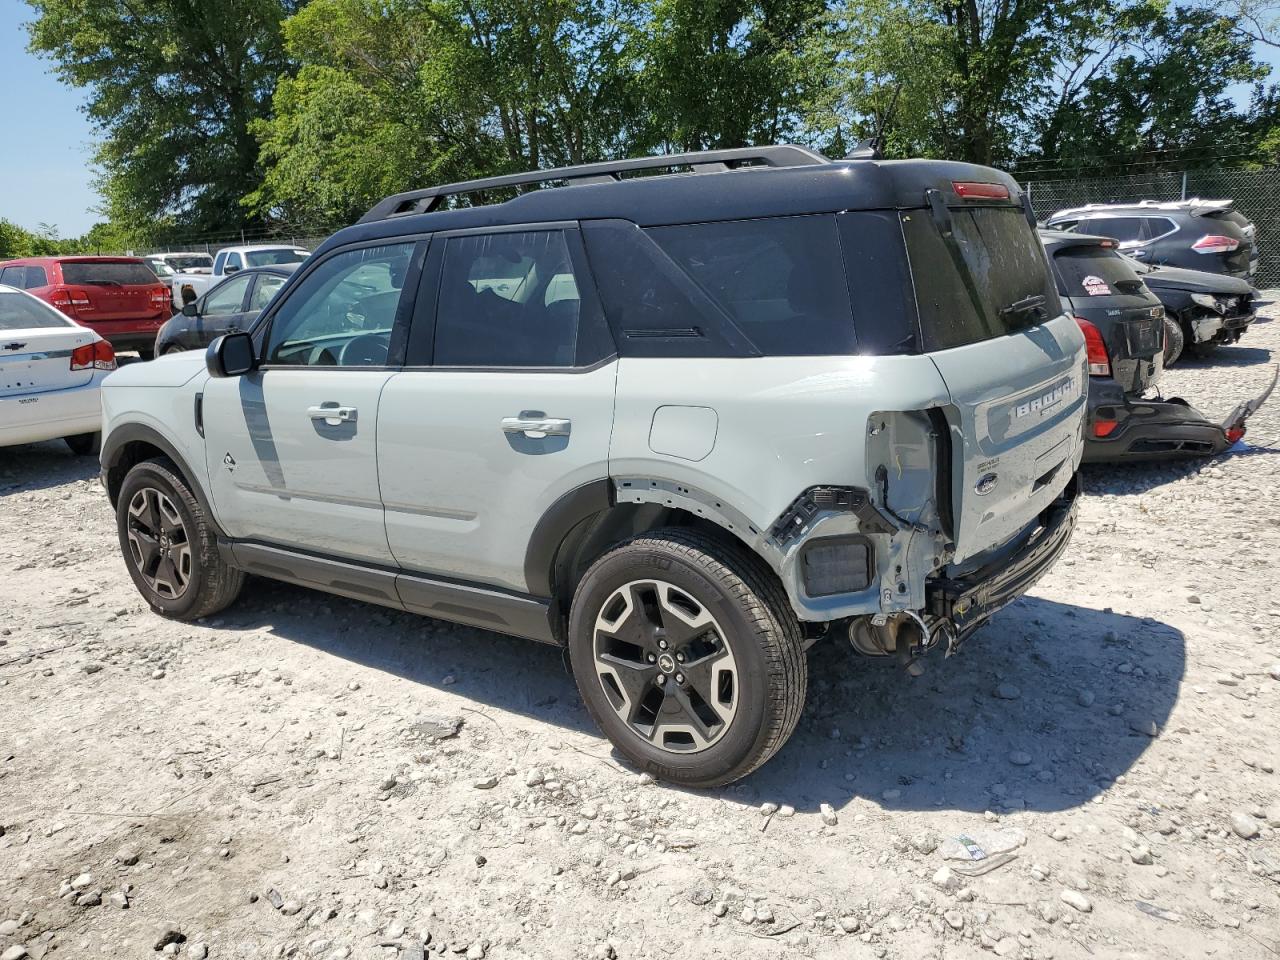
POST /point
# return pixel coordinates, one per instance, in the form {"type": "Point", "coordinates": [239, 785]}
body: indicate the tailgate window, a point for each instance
{"type": "Point", "coordinates": [989, 280]}
{"type": "Point", "coordinates": [21, 312]}
{"type": "Point", "coordinates": [781, 279]}
{"type": "Point", "coordinates": [1091, 271]}
{"type": "Point", "coordinates": [107, 273]}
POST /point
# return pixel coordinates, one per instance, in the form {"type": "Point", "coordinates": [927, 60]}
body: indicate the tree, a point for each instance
{"type": "Point", "coordinates": [719, 73]}
{"type": "Point", "coordinates": [402, 93]}
{"type": "Point", "coordinates": [173, 87]}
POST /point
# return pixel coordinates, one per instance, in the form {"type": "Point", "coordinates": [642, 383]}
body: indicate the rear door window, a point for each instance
{"type": "Point", "coordinates": [264, 290]}
{"type": "Point", "coordinates": [107, 273]}
{"type": "Point", "coordinates": [227, 298]}
{"type": "Point", "coordinates": [1091, 271]}
{"type": "Point", "coordinates": [781, 279]}
{"type": "Point", "coordinates": [1117, 228]}
{"type": "Point", "coordinates": [37, 276]}
{"type": "Point", "coordinates": [514, 300]}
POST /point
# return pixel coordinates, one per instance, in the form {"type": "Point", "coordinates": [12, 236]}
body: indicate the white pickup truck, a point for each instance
{"type": "Point", "coordinates": [188, 287]}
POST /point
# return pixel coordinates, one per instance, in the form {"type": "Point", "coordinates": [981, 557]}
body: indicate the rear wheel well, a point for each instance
{"type": "Point", "coordinates": [591, 537]}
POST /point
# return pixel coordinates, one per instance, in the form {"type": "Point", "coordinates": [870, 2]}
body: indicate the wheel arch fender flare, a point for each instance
{"type": "Point", "coordinates": [116, 460]}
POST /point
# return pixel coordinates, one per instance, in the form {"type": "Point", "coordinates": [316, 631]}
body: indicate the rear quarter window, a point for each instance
{"type": "Point", "coordinates": [781, 280]}
{"type": "Point", "coordinates": [107, 273]}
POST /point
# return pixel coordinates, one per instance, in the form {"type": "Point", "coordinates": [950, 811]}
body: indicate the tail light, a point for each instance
{"type": "Point", "coordinates": [1212, 243]}
{"type": "Point", "coordinates": [973, 190]}
{"type": "Point", "coordinates": [1099, 361]}
{"type": "Point", "coordinates": [60, 297]}
{"type": "Point", "coordinates": [160, 297]}
{"type": "Point", "coordinates": [1104, 428]}
{"type": "Point", "coordinates": [1235, 433]}
{"type": "Point", "coordinates": [94, 356]}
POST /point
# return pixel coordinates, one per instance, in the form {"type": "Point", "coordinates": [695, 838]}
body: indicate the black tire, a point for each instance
{"type": "Point", "coordinates": [85, 444]}
{"type": "Point", "coordinates": [209, 584]}
{"type": "Point", "coordinates": [172, 348]}
{"type": "Point", "coordinates": [146, 353]}
{"type": "Point", "coordinates": [1174, 340]}
{"type": "Point", "coordinates": [745, 603]}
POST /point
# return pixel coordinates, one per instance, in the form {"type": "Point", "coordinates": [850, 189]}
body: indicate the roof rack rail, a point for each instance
{"type": "Point", "coordinates": [702, 161]}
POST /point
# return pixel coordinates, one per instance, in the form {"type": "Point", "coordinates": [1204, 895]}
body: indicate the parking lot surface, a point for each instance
{"type": "Point", "coordinates": [310, 776]}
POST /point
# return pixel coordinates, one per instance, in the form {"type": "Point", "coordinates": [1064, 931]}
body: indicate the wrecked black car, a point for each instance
{"type": "Point", "coordinates": [1202, 310]}
{"type": "Point", "coordinates": [1124, 329]}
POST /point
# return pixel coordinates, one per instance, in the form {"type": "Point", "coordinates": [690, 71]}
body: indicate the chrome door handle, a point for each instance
{"type": "Point", "coordinates": [334, 413]}
{"type": "Point", "coordinates": [537, 425]}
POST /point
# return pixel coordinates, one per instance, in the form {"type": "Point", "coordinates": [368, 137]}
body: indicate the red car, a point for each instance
{"type": "Point", "coordinates": [118, 297]}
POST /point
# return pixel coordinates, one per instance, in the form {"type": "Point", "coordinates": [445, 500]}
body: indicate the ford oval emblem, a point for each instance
{"type": "Point", "coordinates": [986, 483]}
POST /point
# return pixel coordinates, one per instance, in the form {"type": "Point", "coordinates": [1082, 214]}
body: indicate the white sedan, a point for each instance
{"type": "Point", "coordinates": [51, 372]}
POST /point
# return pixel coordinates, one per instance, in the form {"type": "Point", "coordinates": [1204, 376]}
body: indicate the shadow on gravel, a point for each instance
{"type": "Point", "coordinates": [1229, 356]}
{"type": "Point", "coordinates": [39, 466]}
{"type": "Point", "coordinates": [941, 741]}
{"type": "Point", "coordinates": [947, 741]}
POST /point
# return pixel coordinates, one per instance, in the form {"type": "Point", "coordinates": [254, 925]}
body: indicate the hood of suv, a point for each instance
{"type": "Point", "coordinates": [170, 370]}
{"type": "Point", "coordinates": [1195, 281]}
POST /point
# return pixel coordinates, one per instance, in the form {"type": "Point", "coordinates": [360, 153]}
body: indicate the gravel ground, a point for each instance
{"type": "Point", "coordinates": [308, 776]}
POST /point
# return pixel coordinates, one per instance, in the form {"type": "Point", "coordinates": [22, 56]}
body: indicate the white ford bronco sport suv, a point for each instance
{"type": "Point", "coordinates": [685, 415]}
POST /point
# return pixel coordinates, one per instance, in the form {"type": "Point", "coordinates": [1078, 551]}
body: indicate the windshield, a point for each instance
{"type": "Point", "coordinates": [107, 272]}
{"type": "Point", "coordinates": [160, 268]}
{"type": "Point", "coordinates": [18, 311]}
{"type": "Point", "coordinates": [270, 258]}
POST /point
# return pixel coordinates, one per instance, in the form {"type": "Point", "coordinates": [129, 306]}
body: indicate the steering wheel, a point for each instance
{"type": "Point", "coordinates": [366, 350]}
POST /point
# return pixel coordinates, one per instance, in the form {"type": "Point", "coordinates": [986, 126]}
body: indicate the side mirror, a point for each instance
{"type": "Point", "coordinates": [230, 355]}
{"type": "Point", "coordinates": [189, 309]}
{"type": "Point", "coordinates": [230, 268]}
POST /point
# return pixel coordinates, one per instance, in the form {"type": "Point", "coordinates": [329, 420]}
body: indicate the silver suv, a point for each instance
{"type": "Point", "coordinates": [685, 415]}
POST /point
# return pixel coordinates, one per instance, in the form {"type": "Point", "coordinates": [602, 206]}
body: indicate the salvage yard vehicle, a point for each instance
{"type": "Point", "coordinates": [1124, 328]}
{"type": "Point", "coordinates": [51, 372]}
{"type": "Point", "coordinates": [167, 264]}
{"type": "Point", "coordinates": [684, 415]}
{"type": "Point", "coordinates": [1195, 234]}
{"type": "Point", "coordinates": [231, 306]}
{"type": "Point", "coordinates": [120, 298]}
{"type": "Point", "coordinates": [1202, 310]}
{"type": "Point", "coordinates": [188, 287]}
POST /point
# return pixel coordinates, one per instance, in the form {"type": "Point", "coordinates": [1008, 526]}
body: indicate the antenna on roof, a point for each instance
{"type": "Point", "coordinates": [869, 149]}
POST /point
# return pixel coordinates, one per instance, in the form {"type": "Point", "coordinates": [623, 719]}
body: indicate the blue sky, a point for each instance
{"type": "Point", "coordinates": [44, 158]}
{"type": "Point", "coordinates": [45, 175]}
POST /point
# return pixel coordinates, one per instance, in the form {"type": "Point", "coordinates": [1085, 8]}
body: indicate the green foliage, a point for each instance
{"type": "Point", "coordinates": [174, 87]}
{"type": "Point", "coordinates": [16, 241]}
{"type": "Point", "coordinates": [215, 116]}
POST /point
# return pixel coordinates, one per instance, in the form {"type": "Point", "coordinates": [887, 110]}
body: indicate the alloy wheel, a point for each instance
{"type": "Point", "coordinates": [158, 543]}
{"type": "Point", "coordinates": [665, 666]}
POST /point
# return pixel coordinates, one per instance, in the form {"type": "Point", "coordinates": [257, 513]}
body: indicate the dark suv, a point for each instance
{"type": "Point", "coordinates": [1194, 234]}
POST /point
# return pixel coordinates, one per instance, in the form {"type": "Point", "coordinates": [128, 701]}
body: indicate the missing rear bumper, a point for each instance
{"type": "Point", "coordinates": [965, 602]}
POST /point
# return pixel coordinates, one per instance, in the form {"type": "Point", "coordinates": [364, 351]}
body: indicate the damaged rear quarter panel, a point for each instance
{"type": "Point", "coordinates": [786, 424]}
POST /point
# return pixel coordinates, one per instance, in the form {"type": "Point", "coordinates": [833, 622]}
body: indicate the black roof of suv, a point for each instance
{"type": "Point", "coordinates": [916, 236]}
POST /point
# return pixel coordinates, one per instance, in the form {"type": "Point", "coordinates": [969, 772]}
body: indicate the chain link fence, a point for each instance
{"type": "Point", "coordinates": [1256, 194]}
